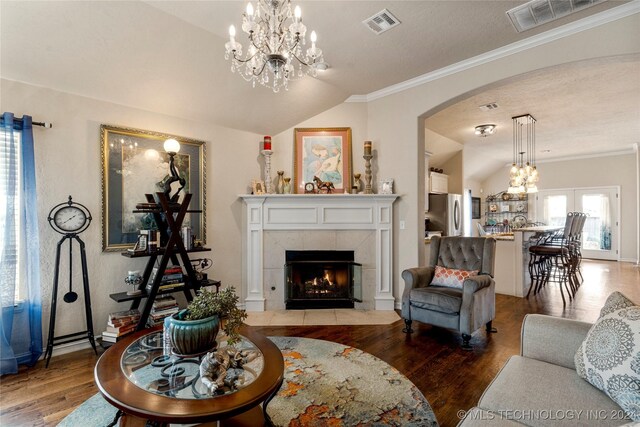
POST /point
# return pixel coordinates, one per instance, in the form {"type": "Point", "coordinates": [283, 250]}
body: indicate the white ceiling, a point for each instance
{"type": "Point", "coordinates": [168, 56]}
{"type": "Point", "coordinates": [583, 108]}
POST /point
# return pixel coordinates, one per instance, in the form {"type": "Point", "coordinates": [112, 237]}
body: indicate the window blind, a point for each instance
{"type": "Point", "coordinates": [9, 214]}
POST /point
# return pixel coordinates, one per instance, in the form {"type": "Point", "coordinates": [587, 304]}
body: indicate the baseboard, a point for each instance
{"type": "Point", "coordinates": [61, 349]}
{"type": "Point", "coordinates": [635, 261]}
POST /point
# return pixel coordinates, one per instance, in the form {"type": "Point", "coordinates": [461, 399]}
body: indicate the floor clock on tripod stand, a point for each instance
{"type": "Point", "coordinates": [70, 219]}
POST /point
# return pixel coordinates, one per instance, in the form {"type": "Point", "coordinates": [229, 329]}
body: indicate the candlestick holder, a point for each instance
{"type": "Point", "coordinates": [267, 170]}
{"type": "Point", "coordinates": [367, 173]}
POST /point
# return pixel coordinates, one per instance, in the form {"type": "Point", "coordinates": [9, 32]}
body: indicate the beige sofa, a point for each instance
{"type": "Point", "coordinates": [540, 387]}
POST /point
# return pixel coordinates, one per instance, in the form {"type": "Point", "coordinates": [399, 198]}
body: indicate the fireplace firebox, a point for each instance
{"type": "Point", "coordinates": [322, 279]}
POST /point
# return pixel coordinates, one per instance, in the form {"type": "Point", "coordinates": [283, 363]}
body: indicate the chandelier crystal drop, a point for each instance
{"type": "Point", "coordinates": [523, 176]}
{"type": "Point", "coordinates": [276, 40]}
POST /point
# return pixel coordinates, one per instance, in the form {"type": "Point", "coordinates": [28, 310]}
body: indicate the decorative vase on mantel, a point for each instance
{"type": "Point", "coordinates": [286, 189]}
{"type": "Point", "coordinates": [280, 183]}
{"type": "Point", "coordinates": [357, 183]}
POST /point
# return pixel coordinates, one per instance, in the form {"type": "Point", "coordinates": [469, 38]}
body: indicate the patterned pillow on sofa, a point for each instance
{"type": "Point", "coordinates": [450, 277]}
{"type": "Point", "coordinates": [609, 357]}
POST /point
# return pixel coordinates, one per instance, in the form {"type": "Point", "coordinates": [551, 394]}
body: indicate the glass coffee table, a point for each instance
{"type": "Point", "coordinates": [146, 382]}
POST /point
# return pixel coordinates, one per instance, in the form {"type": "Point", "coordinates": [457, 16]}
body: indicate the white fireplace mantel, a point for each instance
{"type": "Point", "coordinates": [316, 212]}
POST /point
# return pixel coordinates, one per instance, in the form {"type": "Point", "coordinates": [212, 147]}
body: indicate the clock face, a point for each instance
{"type": "Point", "coordinates": [70, 218]}
{"type": "Point", "coordinates": [309, 187]}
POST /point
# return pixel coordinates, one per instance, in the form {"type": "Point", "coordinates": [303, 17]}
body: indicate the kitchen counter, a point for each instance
{"type": "Point", "coordinates": [498, 236]}
{"type": "Point", "coordinates": [501, 236]}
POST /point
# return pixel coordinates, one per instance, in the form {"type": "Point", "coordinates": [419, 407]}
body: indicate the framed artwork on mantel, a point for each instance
{"type": "Point", "coordinates": [134, 163]}
{"type": "Point", "coordinates": [324, 153]}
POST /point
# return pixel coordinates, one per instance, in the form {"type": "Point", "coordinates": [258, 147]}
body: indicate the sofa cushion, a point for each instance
{"type": "Point", "coordinates": [437, 298]}
{"type": "Point", "coordinates": [451, 277]}
{"type": "Point", "coordinates": [609, 357]}
{"type": "Point", "coordinates": [538, 393]}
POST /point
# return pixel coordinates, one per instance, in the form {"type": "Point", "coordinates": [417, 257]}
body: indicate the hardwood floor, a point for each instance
{"type": "Point", "coordinates": [451, 379]}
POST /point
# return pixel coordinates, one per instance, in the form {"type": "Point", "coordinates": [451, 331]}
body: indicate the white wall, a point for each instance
{"type": "Point", "coordinates": [68, 163]}
{"type": "Point", "coordinates": [353, 116]}
{"type": "Point", "coordinates": [453, 168]}
{"type": "Point", "coordinates": [590, 172]}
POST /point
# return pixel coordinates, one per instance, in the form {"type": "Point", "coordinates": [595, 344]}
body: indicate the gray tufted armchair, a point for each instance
{"type": "Point", "coordinates": [464, 310]}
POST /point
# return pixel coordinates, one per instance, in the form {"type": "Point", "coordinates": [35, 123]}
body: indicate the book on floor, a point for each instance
{"type": "Point", "coordinates": [121, 330]}
{"type": "Point", "coordinates": [124, 315]}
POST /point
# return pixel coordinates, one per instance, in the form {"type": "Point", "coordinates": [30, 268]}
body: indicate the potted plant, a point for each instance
{"type": "Point", "coordinates": [194, 329]}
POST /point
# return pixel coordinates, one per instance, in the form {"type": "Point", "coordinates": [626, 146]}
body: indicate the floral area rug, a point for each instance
{"type": "Point", "coordinates": [329, 384]}
{"type": "Point", "coordinates": [325, 384]}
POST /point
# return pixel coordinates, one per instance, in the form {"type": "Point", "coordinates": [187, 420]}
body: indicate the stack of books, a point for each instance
{"type": "Point", "coordinates": [120, 323]}
{"type": "Point", "coordinates": [172, 279]}
{"type": "Point", "coordinates": [163, 306]}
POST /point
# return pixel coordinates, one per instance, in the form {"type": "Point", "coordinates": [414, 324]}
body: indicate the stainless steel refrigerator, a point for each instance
{"type": "Point", "coordinates": [445, 214]}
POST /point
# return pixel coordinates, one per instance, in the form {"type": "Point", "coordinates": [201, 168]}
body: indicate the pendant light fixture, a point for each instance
{"type": "Point", "coordinates": [523, 176]}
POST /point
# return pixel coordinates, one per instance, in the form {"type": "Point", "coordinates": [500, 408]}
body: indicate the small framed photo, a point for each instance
{"type": "Point", "coordinates": [386, 186]}
{"type": "Point", "coordinates": [493, 207]}
{"type": "Point", "coordinates": [258, 186]}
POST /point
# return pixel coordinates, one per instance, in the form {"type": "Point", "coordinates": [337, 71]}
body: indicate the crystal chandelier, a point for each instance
{"type": "Point", "coordinates": [276, 39]}
{"type": "Point", "coordinates": [523, 176]}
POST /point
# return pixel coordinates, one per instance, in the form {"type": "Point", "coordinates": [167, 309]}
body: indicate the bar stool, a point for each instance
{"type": "Point", "coordinates": [550, 260]}
{"type": "Point", "coordinates": [576, 246]}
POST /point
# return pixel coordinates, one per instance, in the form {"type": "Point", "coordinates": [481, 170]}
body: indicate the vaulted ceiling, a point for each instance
{"type": "Point", "coordinates": [168, 56]}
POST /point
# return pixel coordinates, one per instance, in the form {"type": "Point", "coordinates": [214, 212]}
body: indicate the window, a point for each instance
{"type": "Point", "coordinates": [10, 182]}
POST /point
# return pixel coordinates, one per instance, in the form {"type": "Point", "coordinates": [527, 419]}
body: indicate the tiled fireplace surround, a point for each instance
{"type": "Point", "coordinates": [273, 224]}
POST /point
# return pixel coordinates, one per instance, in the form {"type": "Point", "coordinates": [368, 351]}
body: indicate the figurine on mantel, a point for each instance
{"type": "Point", "coordinates": [323, 186]}
{"type": "Point", "coordinates": [280, 183]}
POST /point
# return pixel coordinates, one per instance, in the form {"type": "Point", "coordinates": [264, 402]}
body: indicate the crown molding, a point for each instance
{"type": "Point", "coordinates": [357, 98]}
{"type": "Point", "coordinates": [575, 27]}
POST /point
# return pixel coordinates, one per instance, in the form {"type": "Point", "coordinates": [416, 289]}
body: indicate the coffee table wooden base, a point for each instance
{"type": "Point", "coordinates": [253, 417]}
{"type": "Point", "coordinates": [137, 405]}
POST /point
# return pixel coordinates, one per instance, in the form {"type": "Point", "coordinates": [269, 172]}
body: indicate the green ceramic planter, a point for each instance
{"type": "Point", "coordinates": [192, 337]}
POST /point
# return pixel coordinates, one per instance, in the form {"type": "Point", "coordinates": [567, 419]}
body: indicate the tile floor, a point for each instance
{"type": "Point", "coordinates": [320, 317]}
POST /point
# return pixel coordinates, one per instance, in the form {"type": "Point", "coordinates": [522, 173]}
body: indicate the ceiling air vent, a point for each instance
{"type": "Point", "coordinates": [538, 12]}
{"type": "Point", "coordinates": [381, 22]}
{"type": "Point", "coordinates": [488, 107]}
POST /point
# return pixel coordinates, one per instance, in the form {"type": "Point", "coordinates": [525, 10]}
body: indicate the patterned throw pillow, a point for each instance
{"type": "Point", "coordinates": [609, 357]}
{"type": "Point", "coordinates": [451, 278]}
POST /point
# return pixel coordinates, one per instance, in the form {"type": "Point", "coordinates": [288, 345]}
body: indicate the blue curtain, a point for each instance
{"type": "Point", "coordinates": [21, 321]}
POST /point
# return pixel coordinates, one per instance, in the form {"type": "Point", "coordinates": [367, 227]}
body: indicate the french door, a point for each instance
{"type": "Point", "coordinates": [601, 230]}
